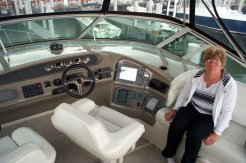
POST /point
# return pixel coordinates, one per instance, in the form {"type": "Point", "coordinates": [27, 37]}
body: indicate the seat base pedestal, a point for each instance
{"type": "Point", "coordinates": [120, 160]}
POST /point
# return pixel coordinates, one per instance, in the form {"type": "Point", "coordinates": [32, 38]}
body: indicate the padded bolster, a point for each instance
{"type": "Point", "coordinates": [111, 115]}
{"type": "Point", "coordinates": [25, 135]}
{"type": "Point", "coordinates": [27, 153]}
{"type": "Point", "coordinates": [64, 110]}
{"type": "Point", "coordinates": [86, 105]}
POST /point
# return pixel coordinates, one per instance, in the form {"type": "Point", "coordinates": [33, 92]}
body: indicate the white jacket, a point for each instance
{"type": "Point", "coordinates": [224, 102]}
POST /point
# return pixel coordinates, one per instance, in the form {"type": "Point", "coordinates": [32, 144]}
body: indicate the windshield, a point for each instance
{"type": "Point", "coordinates": [21, 34]}
{"type": "Point", "coordinates": [203, 17]}
{"type": "Point", "coordinates": [28, 28]}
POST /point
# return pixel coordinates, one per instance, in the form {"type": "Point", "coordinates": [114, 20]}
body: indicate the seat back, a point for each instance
{"type": "Point", "coordinates": [26, 146]}
{"type": "Point", "coordinates": [177, 85]}
{"type": "Point", "coordinates": [80, 127]}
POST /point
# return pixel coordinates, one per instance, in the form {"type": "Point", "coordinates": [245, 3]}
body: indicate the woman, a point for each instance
{"type": "Point", "coordinates": [203, 109]}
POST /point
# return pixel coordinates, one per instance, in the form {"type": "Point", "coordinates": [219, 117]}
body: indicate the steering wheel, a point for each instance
{"type": "Point", "coordinates": [78, 80]}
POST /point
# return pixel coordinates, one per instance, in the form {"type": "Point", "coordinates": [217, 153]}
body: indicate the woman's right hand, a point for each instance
{"type": "Point", "coordinates": [170, 115]}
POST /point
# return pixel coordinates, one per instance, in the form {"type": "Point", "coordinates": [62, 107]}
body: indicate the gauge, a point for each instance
{"type": "Point", "coordinates": [68, 63]}
{"type": "Point", "coordinates": [57, 82]}
{"type": "Point", "coordinates": [59, 65]}
{"type": "Point", "coordinates": [48, 67]}
{"type": "Point", "coordinates": [77, 61]}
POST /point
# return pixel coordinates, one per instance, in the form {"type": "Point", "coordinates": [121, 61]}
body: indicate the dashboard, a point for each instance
{"type": "Point", "coordinates": [124, 84]}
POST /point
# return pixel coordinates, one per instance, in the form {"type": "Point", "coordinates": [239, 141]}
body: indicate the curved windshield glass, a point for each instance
{"type": "Point", "coordinates": [135, 26]}
{"type": "Point", "coordinates": [32, 39]}
{"type": "Point", "coordinates": [150, 31]}
{"type": "Point", "coordinates": [41, 30]}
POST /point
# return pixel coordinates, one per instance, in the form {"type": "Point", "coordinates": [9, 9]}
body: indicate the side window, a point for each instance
{"type": "Point", "coordinates": [188, 47]}
{"type": "Point", "coordinates": [1, 68]}
{"type": "Point", "coordinates": [237, 70]}
{"type": "Point", "coordinates": [191, 48]}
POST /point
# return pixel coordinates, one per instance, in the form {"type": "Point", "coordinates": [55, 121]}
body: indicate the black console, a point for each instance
{"type": "Point", "coordinates": [132, 98]}
{"type": "Point", "coordinates": [159, 85]}
{"type": "Point", "coordinates": [124, 97]}
{"type": "Point", "coordinates": [32, 90]}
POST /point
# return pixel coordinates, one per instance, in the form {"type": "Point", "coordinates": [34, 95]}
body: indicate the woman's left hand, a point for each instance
{"type": "Point", "coordinates": [211, 139]}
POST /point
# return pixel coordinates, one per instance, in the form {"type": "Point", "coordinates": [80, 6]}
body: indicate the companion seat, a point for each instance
{"type": "Point", "coordinates": [26, 146]}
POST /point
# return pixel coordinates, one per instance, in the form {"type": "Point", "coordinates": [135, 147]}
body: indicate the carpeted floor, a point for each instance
{"type": "Point", "coordinates": [69, 152]}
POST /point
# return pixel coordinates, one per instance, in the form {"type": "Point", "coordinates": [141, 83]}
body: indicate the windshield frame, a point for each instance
{"type": "Point", "coordinates": [106, 12]}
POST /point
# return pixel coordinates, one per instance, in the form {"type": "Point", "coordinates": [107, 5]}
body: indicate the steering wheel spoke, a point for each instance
{"type": "Point", "coordinates": [89, 80]}
{"type": "Point", "coordinates": [80, 89]}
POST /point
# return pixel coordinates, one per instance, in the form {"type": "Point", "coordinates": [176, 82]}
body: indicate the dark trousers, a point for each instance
{"type": "Point", "coordinates": [198, 127]}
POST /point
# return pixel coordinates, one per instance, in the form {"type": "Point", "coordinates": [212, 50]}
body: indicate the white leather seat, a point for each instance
{"type": "Point", "coordinates": [26, 146]}
{"type": "Point", "coordinates": [102, 131]}
{"type": "Point", "coordinates": [232, 137]}
{"type": "Point", "coordinates": [177, 85]}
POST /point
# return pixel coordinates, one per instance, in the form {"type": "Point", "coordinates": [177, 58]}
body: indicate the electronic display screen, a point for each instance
{"type": "Point", "coordinates": [152, 103]}
{"type": "Point", "coordinates": [122, 96]}
{"type": "Point", "coordinates": [128, 73]}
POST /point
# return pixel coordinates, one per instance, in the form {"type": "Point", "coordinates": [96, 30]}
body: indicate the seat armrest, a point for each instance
{"type": "Point", "coordinates": [25, 135]}
{"type": "Point", "coordinates": [124, 139]}
{"type": "Point", "coordinates": [27, 153]}
{"type": "Point", "coordinates": [128, 132]}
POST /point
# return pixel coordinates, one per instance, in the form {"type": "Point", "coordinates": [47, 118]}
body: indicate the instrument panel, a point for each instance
{"type": "Point", "coordinates": [135, 88]}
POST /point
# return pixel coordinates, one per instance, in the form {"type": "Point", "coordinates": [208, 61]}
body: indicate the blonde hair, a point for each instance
{"type": "Point", "coordinates": [216, 52]}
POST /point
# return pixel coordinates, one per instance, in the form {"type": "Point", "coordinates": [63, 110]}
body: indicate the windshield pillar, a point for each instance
{"type": "Point", "coordinates": [192, 13]}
